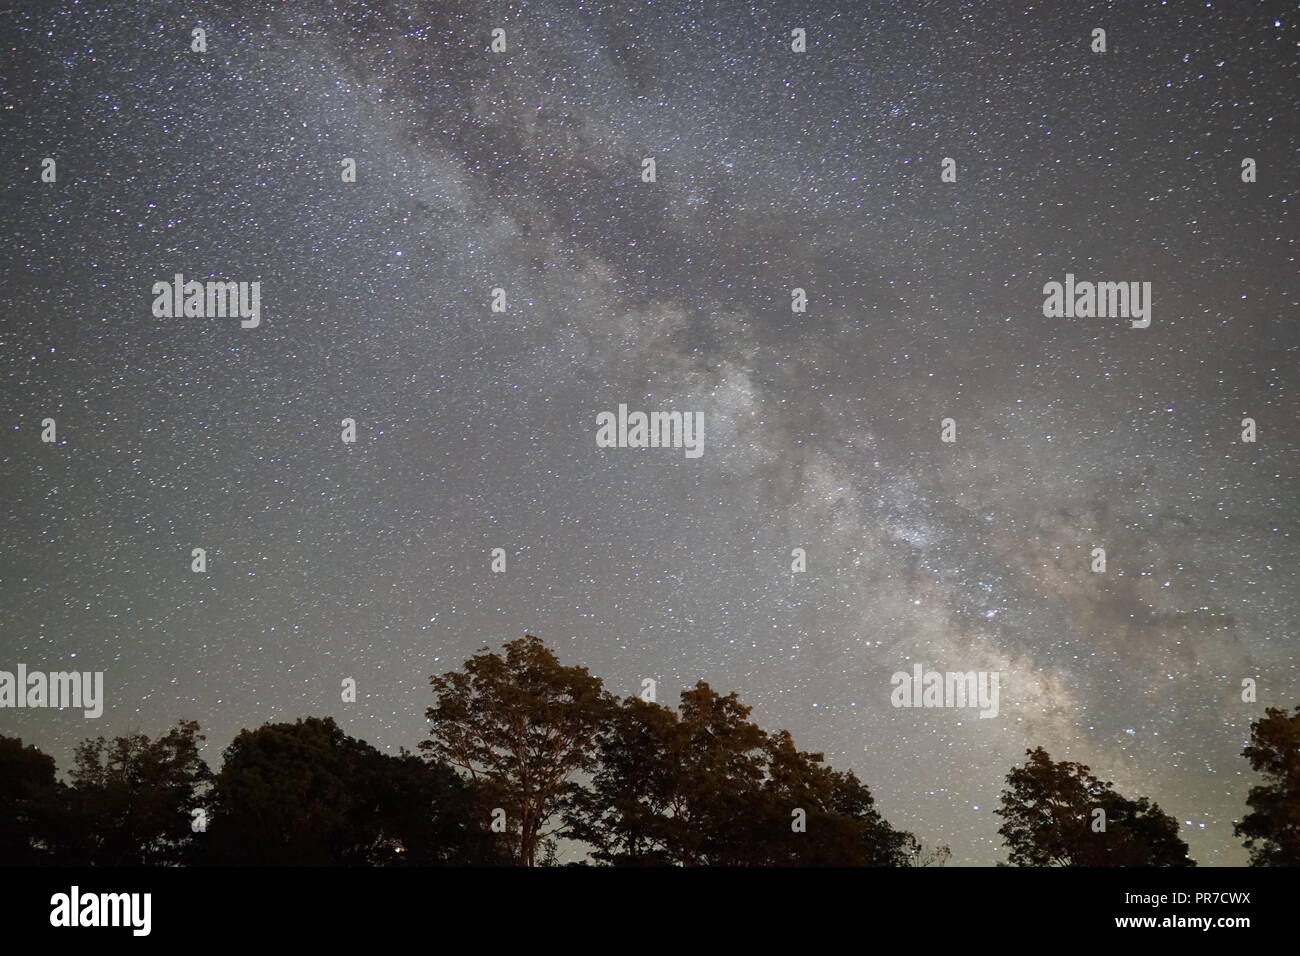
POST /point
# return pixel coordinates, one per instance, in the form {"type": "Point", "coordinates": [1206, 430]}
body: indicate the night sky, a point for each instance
{"type": "Point", "coordinates": [476, 429]}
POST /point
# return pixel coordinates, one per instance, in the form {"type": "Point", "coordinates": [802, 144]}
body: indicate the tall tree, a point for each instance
{"type": "Point", "coordinates": [31, 798]}
{"type": "Point", "coordinates": [722, 769]}
{"type": "Point", "coordinates": [1050, 813]}
{"type": "Point", "coordinates": [133, 799]}
{"type": "Point", "coordinates": [630, 814]}
{"type": "Point", "coordinates": [1272, 828]}
{"type": "Point", "coordinates": [670, 788]}
{"type": "Point", "coordinates": [523, 727]}
{"type": "Point", "coordinates": [709, 787]}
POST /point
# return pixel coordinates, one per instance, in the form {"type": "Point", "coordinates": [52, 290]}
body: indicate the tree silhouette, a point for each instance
{"type": "Point", "coordinates": [922, 857]}
{"type": "Point", "coordinates": [842, 825]}
{"type": "Point", "coordinates": [307, 794]}
{"type": "Point", "coordinates": [709, 787]}
{"type": "Point", "coordinates": [522, 727]}
{"type": "Point", "coordinates": [430, 815]}
{"type": "Point", "coordinates": [32, 802]}
{"type": "Point", "coordinates": [1272, 828]}
{"type": "Point", "coordinates": [628, 814]}
{"type": "Point", "coordinates": [639, 783]}
{"type": "Point", "coordinates": [133, 799]}
{"type": "Point", "coordinates": [1051, 818]}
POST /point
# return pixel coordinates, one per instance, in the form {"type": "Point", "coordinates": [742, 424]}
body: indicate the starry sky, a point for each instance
{"type": "Point", "coordinates": [475, 430]}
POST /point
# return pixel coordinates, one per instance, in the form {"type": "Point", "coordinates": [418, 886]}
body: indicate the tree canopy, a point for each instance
{"type": "Point", "coordinates": [1059, 814]}
{"type": "Point", "coordinates": [308, 794]}
{"type": "Point", "coordinates": [522, 726]}
{"type": "Point", "coordinates": [1272, 827]}
{"type": "Point", "coordinates": [526, 756]}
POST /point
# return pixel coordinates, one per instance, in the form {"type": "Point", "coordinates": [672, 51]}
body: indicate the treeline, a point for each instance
{"type": "Point", "coordinates": [524, 753]}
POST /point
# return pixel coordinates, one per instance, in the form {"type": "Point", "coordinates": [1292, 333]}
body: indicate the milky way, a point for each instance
{"type": "Point", "coordinates": [775, 170]}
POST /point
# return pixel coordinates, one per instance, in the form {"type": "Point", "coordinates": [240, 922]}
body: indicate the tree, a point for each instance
{"type": "Point", "coordinates": [673, 789]}
{"type": "Point", "coordinates": [719, 781]}
{"type": "Point", "coordinates": [429, 814]}
{"type": "Point", "coordinates": [522, 727]}
{"type": "Point", "coordinates": [133, 799]}
{"type": "Point", "coordinates": [1272, 828]}
{"type": "Point", "coordinates": [628, 813]}
{"type": "Point", "coordinates": [709, 787]}
{"type": "Point", "coordinates": [921, 856]}
{"type": "Point", "coordinates": [307, 794]}
{"type": "Point", "coordinates": [30, 802]}
{"type": "Point", "coordinates": [843, 826]}
{"type": "Point", "coordinates": [1050, 813]}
